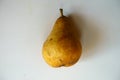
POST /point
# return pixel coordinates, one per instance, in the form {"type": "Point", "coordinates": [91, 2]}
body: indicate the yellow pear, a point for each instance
{"type": "Point", "coordinates": [62, 47]}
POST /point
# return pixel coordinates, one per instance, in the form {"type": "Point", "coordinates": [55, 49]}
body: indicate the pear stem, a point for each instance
{"type": "Point", "coordinates": [61, 12]}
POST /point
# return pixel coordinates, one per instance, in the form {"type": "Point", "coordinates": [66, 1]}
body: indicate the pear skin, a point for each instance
{"type": "Point", "coordinates": [62, 47]}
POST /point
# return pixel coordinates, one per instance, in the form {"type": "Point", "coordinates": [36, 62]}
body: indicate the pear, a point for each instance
{"type": "Point", "coordinates": [62, 47]}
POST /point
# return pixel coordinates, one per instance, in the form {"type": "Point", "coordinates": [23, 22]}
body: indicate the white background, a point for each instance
{"type": "Point", "coordinates": [25, 24]}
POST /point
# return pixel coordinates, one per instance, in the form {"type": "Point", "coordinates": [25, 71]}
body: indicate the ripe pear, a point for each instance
{"type": "Point", "coordinates": [62, 47]}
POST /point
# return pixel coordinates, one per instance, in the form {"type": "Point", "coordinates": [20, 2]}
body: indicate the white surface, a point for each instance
{"type": "Point", "coordinates": [25, 24]}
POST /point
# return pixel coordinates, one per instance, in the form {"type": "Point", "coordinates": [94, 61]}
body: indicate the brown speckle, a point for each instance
{"type": "Point", "coordinates": [51, 39]}
{"type": "Point", "coordinates": [49, 54]}
{"type": "Point", "coordinates": [60, 60]}
{"type": "Point", "coordinates": [61, 65]}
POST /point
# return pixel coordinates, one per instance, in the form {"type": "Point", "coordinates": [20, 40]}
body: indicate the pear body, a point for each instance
{"type": "Point", "coordinates": [62, 47]}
